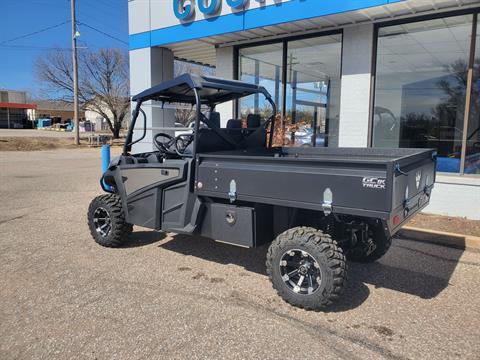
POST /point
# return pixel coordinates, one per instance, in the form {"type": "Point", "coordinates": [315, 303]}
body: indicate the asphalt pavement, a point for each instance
{"type": "Point", "coordinates": [165, 296]}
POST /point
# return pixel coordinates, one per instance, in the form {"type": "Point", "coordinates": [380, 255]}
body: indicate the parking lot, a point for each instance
{"type": "Point", "coordinates": [34, 133]}
{"type": "Point", "coordinates": [176, 297]}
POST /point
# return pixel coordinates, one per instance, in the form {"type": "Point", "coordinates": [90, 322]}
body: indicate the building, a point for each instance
{"type": "Point", "coordinates": [381, 73]}
{"type": "Point", "coordinates": [60, 111]}
{"type": "Point", "coordinates": [15, 113]}
{"type": "Point", "coordinates": [100, 122]}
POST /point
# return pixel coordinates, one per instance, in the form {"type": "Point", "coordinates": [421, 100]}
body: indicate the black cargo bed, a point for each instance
{"type": "Point", "coordinates": [326, 154]}
{"type": "Point", "coordinates": [364, 181]}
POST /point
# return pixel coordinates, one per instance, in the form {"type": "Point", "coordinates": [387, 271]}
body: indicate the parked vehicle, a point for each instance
{"type": "Point", "coordinates": [181, 129]}
{"type": "Point", "coordinates": [304, 136]}
{"type": "Point", "coordinates": [320, 206]}
{"type": "Point", "coordinates": [44, 123]}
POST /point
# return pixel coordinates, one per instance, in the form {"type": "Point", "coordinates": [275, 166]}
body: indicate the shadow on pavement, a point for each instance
{"type": "Point", "coordinates": [406, 269]}
{"type": "Point", "coordinates": [418, 269]}
{"type": "Point", "coordinates": [207, 249]}
{"type": "Point", "coordinates": [143, 238]}
{"type": "Point", "coordinates": [415, 283]}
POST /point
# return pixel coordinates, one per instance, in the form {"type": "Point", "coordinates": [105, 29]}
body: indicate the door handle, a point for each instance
{"type": "Point", "coordinates": [164, 172]}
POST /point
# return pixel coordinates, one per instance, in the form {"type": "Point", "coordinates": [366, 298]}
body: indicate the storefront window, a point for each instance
{"type": "Point", "coordinates": [311, 82]}
{"type": "Point", "coordinates": [420, 87]}
{"type": "Point", "coordinates": [3, 118]}
{"type": "Point", "coordinates": [313, 91]}
{"type": "Point", "coordinates": [472, 153]}
{"type": "Point", "coordinates": [261, 65]}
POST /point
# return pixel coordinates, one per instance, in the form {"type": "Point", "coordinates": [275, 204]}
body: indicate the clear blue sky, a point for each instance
{"type": "Point", "coordinates": [19, 17]}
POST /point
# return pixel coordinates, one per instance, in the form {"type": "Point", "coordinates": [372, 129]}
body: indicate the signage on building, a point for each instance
{"type": "Point", "coordinates": [185, 9]}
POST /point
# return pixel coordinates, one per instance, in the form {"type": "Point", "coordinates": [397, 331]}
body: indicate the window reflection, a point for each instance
{"type": "Point", "coordinates": [313, 91]}
{"type": "Point", "coordinates": [421, 86]}
{"type": "Point", "coordinates": [472, 154]}
{"type": "Point", "coordinates": [312, 87]}
{"type": "Point", "coordinates": [261, 65]}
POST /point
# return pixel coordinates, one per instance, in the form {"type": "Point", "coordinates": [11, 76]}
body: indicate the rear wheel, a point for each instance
{"type": "Point", "coordinates": [106, 221]}
{"type": "Point", "coordinates": [306, 267]}
{"type": "Point", "coordinates": [376, 245]}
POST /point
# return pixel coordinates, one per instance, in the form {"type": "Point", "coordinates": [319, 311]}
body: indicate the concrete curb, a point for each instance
{"type": "Point", "coordinates": [458, 241]}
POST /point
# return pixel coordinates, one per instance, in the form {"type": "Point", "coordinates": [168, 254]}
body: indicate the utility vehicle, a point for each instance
{"type": "Point", "coordinates": [317, 206]}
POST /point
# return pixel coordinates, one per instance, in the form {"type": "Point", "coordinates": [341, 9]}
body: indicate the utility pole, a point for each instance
{"type": "Point", "coordinates": [75, 74]}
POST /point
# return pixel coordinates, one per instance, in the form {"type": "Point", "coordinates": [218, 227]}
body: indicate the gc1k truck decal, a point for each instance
{"type": "Point", "coordinates": [374, 183]}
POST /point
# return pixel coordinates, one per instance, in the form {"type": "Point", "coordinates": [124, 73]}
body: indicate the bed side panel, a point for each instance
{"type": "Point", "coordinates": [357, 186]}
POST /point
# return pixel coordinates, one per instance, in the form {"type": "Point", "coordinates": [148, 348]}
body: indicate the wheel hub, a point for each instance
{"type": "Point", "coordinates": [102, 221]}
{"type": "Point", "coordinates": [303, 270]}
{"type": "Point", "coordinates": [300, 271]}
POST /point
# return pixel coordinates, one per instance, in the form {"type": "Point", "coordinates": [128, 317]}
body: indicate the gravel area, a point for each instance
{"type": "Point", "coordinates": [446, 223]}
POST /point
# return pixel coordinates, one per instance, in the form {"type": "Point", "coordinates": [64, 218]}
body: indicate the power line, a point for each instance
{"type": "Point", "coordinates": [102, 32]}
{"type": "Point", "coordinates": [34, 47]}
{"type": "Point", "coordinates": [98, 16]}
{"type": "Point", "coordinates": [34, 33]}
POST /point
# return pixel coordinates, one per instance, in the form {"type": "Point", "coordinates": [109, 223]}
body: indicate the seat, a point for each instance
{"type": "Point", "coordinates": [256, 139]}
{"type": "Point", "coordinates": [253, 121]}
{"type": "Point", "coordinates": [234, 124]}
{"type": "Point", "coordinates": [209, 141]}
{"type": "Point", "coordinates": [215, 118]}
{"type": "Point", "coordinates": [255, 134]}
{"type": "Point", "coordinates": [235, 131]}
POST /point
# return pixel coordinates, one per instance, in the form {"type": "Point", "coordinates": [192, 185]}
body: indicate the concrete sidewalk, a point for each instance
{"type": "Point", "coordinates": [179, 297]}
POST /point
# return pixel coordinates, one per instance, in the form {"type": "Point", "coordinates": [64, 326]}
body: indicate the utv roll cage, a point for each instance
{"type": "Point", "coordinates": [191, 89]}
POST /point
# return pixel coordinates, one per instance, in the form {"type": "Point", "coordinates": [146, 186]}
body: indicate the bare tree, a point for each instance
{"type": "Point", "coordinates": [455, 87]}
{"type": "Point", "coordinates": [103, 82]}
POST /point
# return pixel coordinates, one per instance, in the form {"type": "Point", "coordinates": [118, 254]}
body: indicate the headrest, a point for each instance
{"type": "Point", "coordinates": [253, 121]}
{"type": "Point", "coordinates": [234, 124]}
{"type": "Point", "coordinates": [215, 118]}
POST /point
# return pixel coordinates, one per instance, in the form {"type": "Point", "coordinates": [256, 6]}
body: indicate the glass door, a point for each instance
{"type": "Point", "coordinates": [310, 126]}
{"type": "Point", "coordinates": [313, 87]}
{"type": "Point", "coordinates": [261, 65]}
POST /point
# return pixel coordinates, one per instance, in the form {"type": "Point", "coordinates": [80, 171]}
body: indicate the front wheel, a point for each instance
{"type": "Point", "coordinates": [307, 268]}
{"type": "Point", "coordinates": [106, 221]}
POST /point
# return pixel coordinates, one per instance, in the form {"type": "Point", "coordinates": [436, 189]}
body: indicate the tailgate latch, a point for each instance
{"type": "Point", "coordinates": [327, 201]}
{"type": "Point", "coordinates": [232, 194]}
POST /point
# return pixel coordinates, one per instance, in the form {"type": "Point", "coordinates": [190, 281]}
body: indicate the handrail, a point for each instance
{"type": "Point", "coordinates": [128, 142]}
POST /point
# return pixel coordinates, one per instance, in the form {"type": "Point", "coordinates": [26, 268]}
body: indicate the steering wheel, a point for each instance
{"type": "Point", "coordinates": [165, 144]}
{"type": "Point", "coordinates": [181, 143]}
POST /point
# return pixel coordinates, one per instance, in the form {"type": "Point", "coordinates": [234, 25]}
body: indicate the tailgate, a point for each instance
{"type": "Point", "coordinates": [413, 181]}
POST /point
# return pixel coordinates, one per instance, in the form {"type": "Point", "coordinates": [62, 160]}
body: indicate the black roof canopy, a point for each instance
{"type": "Point", "coordinates": [212, 90]}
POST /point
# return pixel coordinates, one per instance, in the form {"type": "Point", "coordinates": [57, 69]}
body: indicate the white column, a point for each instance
{"type": "Point", "coordinates": [225, 69]}
{"type": "Point", "coordinates": [150, 67]}
{"type": "Point", "coordinates": [355, 93]}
